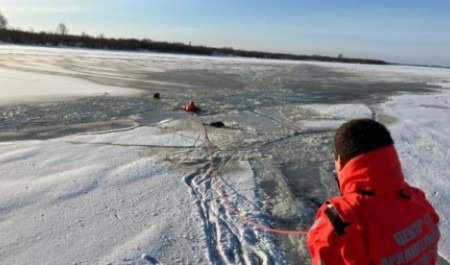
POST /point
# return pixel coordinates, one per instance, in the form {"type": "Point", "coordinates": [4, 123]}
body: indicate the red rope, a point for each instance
{"type": "Point", "coordinates": [228, 205]}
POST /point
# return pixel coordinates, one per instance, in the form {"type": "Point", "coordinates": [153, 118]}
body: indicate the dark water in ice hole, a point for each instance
{"type": "Point", "coordinates": [295, 171]}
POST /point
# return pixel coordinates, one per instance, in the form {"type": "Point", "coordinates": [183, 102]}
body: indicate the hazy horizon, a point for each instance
{"type": "Point", "coordinates": [411, 32]}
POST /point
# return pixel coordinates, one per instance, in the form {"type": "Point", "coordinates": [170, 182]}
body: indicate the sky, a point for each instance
{"type": "Point", "coordinates": [412, 31]}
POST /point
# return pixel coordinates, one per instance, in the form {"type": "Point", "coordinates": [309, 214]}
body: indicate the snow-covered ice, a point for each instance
{"type": "Point", "coordinates": [115, 198]}
{"type": "Point", "coordinates": [142, 193]}
{"type": "Point", "coordinates": [19, 87]}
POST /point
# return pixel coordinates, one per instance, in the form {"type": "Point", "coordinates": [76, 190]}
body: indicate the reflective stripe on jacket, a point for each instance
{"type": "Point", "coordinates": [378, 220]}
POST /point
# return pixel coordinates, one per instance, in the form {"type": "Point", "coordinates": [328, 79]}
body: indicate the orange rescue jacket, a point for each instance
{"type": "Point", "coordinates": [378, 220]}
{"type": "Point", "coordinates": [191, 107]}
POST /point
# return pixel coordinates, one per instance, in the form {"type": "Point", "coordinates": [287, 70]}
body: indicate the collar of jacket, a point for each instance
{"type": "Point", "coordinates": [378, 170]}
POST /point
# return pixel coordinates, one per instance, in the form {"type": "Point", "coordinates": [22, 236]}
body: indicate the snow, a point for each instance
{"type": "Point", "coordinates": [113, 198]}
{"type": "Point", "coordinates": [391, 72]}
{"type": "Point", "coordinates": [144, 194]}
{"type": "Point", "coordinates": [20, 87]}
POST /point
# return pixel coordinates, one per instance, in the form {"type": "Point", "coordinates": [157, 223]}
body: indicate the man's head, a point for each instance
{"type": "Point", "coordinates": [360, 136]}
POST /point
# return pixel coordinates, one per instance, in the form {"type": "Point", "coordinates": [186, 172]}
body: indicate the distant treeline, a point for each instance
{"type": "Point", "coordinates": [85, 41]}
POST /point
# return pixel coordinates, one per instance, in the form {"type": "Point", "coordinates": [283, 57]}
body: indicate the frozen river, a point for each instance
{"type": "Point", "coordinates": [280, 120]}
{"type": "Point", "coordinates": [220, 86]}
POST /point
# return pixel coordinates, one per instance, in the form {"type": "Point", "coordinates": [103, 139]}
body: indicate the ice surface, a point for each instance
{"type": "Point", "coordinates": [125, 179]}
{"type": "Point", "coordinates": [19, 87]}
{"type": "Point", "coordinates": [116, 197]}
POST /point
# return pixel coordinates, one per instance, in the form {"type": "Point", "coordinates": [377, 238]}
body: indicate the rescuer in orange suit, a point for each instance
{"type": "Point", "coordinates": [191, 107]}
{"type": "Point", "coordinates": [379, 219]}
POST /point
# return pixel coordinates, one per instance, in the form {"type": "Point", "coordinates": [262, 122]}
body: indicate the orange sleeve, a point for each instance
{"type": "Point", "coordinates": [328, 248]}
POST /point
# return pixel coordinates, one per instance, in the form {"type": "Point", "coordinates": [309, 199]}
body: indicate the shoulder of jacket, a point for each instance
{"type": "Point", "coordinates": [335, 219]}
{"type": "Point", "coordinates": [342, 212]}
{"type": "Point", "coordinates": [346, 205]}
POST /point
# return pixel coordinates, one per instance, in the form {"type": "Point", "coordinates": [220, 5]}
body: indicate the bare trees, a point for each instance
{"type": "Point", "coordinates": [62, 29]}
{"type": "Point", "coordinates": [3, 22]}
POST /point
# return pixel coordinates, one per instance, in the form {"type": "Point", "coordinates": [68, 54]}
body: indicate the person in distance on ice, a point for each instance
{"type": "Point", "coordinates": [379, 218]}
{"type": "Point", "coordinates": [191, 107]}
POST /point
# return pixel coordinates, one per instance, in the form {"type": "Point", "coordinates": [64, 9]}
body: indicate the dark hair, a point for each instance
{"type": "Point", "coordinates": [356, 137]}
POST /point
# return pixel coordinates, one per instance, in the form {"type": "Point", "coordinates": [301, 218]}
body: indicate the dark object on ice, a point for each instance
{"type": "Point", "coordinates": [157, 96]}
{"type": "Point", "coordinates": [217, 124]}
{"type": "Point", "coordinates": [191, 107]}
{"type": "Point", "coordinates": [150, 259]}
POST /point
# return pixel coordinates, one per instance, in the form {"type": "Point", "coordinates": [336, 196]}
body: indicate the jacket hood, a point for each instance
{"type": "Point", "coordinates": [378, 170]}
